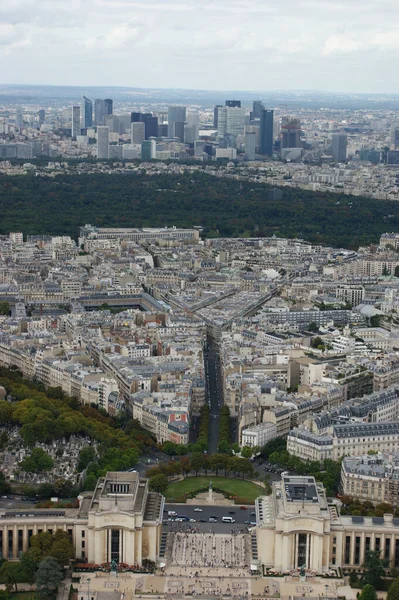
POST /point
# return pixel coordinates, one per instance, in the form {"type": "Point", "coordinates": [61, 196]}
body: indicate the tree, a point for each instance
{"type": "Point", "coordinates": [86, 456]}
{"type": "Point", "coordinates": [393, 592]}
{"type": "Point", "coordinates": [11, 573]}
{"type": "Point", "coordinates": [373, 568]}
{"type": "Point", "coordinates": [29, 564]}
{"type": "Point", "coordinates": [313, 327]}
{"type": "Point", "coordinates": [368, 593]}
{"type": "Point", "coordinates": [48, 576]}
{"type": "Point", "coordinates": [247, 452]}
{"type": "Point", "coordinates": [197, 462]}
{"type": "Point", "coordinates": [159, 483]}
{"type": "Point", "coordinates": [37, 462]}
{"type": "Point", "coordinates": [62, 547]}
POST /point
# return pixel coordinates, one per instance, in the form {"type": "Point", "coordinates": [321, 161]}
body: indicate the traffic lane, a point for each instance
{"type": "Point", "coordinates": [240, 516]}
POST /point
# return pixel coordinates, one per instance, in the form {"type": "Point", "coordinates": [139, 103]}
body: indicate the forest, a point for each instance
{"type": "Point", "coordinates": [223, 207]}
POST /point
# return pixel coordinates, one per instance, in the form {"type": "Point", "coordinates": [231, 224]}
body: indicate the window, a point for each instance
{"type": "Point", "coordinates": [357, 550]}
{"type": "Point", "coordinates": [378, 544]}
{"type": "Point", "coordinates": [387, 552]}
{"type": "Point", "coordinates": [347, 549]}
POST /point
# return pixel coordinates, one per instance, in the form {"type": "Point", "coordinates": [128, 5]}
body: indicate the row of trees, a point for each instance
{"type": "Point", "coordinates": [195, 464]}
{"type": "Point", "coordinates": [224, 438]}
{"type": "Point", "coordinates": [351, 506]}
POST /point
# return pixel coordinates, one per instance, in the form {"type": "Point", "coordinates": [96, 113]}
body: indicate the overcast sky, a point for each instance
{"type": "Point", "coordinates": [336, 45]}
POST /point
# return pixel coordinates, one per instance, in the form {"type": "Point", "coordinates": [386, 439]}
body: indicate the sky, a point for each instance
{"type": "Point", "coordinates": [333, 45]}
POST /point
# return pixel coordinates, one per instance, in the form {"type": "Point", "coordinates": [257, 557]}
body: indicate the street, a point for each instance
{"type": "Point", "coordinates": [242, 518]}
{"type": "Point", "coordinates": [213, 396]}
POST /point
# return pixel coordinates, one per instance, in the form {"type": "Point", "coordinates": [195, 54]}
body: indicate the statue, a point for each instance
{"type": "Point", "coordinates": [302, 573]}
{"type": "Point", "coordinates": [210, 494]}
{"type": "Point", "coordinates": [114, 565]}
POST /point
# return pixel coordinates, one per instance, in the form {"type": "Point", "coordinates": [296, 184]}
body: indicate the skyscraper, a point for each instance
{"type": "Point", "coordinates": [75, 121]}
{"type": "Point", "coordinates": [102, 108]}
{"type": "Point", "coordinates": [42, 116]}
{"type": "Point", "coordinates": [191, 128]}
{"type": "Point", "coordinates": [19, 120]}
{"type": "Point", "coordinates": [137, 132]}
{"type": "Point", "coordinates": [102, 142]}
{"type": "Point", "coordinates": [231, 120]}
{"type": "Point", "coordinates": [266, 133]}
{"type": "Point", "coordinates": [290, 133]}
{"type": "Point", "coordinates": [176, 114]}
{"type": "Point", "coordinates": [250, 144]}
{"type": "Point", "coordinates": [338, 146]}
{"type": "Point", "coordinates": [87, 113]}
{"type": "Point", "coordinates": [257, 108]}
{"type": "Point", "coordinates": [394, 136]}
{"type": "Point", "coordinates": [109, 106]}
{"type": "Point", "coordinates": [215, 115]}
{"type": "Point", "coordinates": [233, 103]}
{"type": "Point", "coordinates": [148, 150]}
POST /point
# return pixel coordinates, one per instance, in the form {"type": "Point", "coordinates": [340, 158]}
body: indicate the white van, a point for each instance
{"type": "Point", "coordinates": [172, 513]}
{"type": "Point", "coordinates": [228, 520]}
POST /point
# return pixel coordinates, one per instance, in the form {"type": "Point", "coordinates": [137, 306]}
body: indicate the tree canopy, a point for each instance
{"type": "Point", "coordinates": [224, 207]}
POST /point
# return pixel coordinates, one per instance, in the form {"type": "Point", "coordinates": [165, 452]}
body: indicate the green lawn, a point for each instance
{"type": "Point", "coordinates": [246, 491]}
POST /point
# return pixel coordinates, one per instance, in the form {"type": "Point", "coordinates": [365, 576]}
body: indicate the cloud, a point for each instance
{"type": "Point", "coordinates": [201, 44]}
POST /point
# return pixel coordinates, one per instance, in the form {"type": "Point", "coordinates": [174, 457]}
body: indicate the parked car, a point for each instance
{"type": "Point", "coordinates": [197, 509]}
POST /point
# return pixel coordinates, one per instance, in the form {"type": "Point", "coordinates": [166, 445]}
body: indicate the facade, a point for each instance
{"type": "Point", "coordinates": [266, 133]}
{"type": "Point", "coordinates": [176, 114]}
{"type": "Point", "coordinates": [75, 121]}
{"type": "Point", "coordinates": [353, 439]}
{"type": "Point", "coordinates": [102, 142]}
{"type": "Point", "coordinates": [290, 133]}
{"type": "Point", "coordinates": [120, 521]}
{"type": "Point", "coordinates": [371, 477]}
{"type": "Point", "coordinates": [148, 150]}
{"type": "Point", "coordinates": [250, 145]}
{"type": "Point", "coordinates": [338, 146]}
{"type": "Point", "coordinates": [87, 113]}
{"type": "Point", "coordinates": [137, 132]}
{"type": "Point", "coordinates": [298, 526]}
{"type": "Point", "coordinates": [102, 108]}
{"type": "Point", "coordinates": [353, 294]}
{"type": "Point", "coordinates": [258, 435]}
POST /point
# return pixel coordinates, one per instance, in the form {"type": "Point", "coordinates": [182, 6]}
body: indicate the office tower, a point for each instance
{"type": "Point", "coordinates": [102, 108]}
{"type": "Point", "coordinates": [151, 123]}
{"type": "Point", "coordinates": [395, 136]}
{"type": "Point", "coordinates": [266, 133]}
{"type": "Point", "coordinates": [179, 130]}
{"type": "Point", "coordinates": [87, 113]}
{"type": "Point", "coordinates": [124, 123]}
{"type": "Point", "coordinates": [215, 115]}
{"type": "Point", "coordinates": [338, 146]}
{"type": "Point", "coordinates": [42, 116]}
{"type": "Point", "coordinates": [233, 103]}
{"type": "Point", "coordinates": [163, 130]}
{"type": "Point", "coordinates": [176, 114]}
{"type": "Point", "coordinates": [99, 111]}
{"type": "Point", "coordinates": [257, 108]}
{"type": "Point", "coordinates": [148, 150]}
{"type": "Point", "coordinates": [75, 121]}
{"type": "Point", "coordinates": [137, 132]}
{"type": "Point", "coordinates": [191, 128]}
{"type": "Point", "coordinates": [102, 142]}
{"type": "Point", "coordinates": [231, 121]}
{"type": "Point", "coordinates": [250, 145]}
{"type": "Point", "coordinates": [290, 133]}
{"type": "Point", "coordinates": [151, 126]}
{"type": "Point", "coordinates": [199, 148]}
{"type": "Point", "coordinates": [112, 121]}
{"type": "Point", "coordinates": [109, 106]}
{"type": "Point", "coordinates": [19, 121]}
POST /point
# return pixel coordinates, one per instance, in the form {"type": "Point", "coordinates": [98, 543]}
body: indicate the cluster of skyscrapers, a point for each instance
{"type": "Point", "coordinates": [254, 132]}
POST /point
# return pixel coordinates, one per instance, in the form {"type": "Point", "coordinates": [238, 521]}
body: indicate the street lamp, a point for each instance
{"type": "Point", "coordinates": [326, 586]}
{"type": "Point", "coordinates": [88, 588]}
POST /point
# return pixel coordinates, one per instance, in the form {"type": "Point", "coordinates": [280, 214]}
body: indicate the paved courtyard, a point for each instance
{"type": "Point", "coordinates": [210, 550]}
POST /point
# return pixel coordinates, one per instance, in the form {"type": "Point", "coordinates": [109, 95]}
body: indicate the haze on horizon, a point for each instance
{"type": "Point", "coordinates": [331, 45]}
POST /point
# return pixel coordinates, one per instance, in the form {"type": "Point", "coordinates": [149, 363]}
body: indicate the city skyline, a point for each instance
{"type": "Point", "coordinates": [310, 45]}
